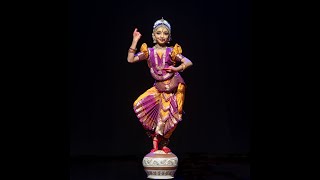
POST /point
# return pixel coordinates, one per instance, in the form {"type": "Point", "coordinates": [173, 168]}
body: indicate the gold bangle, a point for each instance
{"type": "Point", "coordinates": [131, 51]}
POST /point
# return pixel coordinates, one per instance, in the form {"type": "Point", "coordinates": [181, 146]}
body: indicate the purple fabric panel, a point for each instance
{"type": "Point", "coordinates": [174, 104]}
{"type": "Point", "coordinates": [146, 101]}
{"type": "Point", "coordinates": [151, 58]}
{"type": "Point", "coordinates": [168, 58]}
{"type": "Point", "coordinates": [148, 107]}
{"type": "Point", "coordinates": [149, 111]}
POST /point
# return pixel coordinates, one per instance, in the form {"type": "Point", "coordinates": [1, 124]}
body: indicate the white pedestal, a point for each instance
{"type": "Point", "coordinates": [160, 165]}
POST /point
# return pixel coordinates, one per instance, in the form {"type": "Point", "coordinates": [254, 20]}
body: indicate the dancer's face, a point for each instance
{"type": "Point", "coordinates": [162, 35]}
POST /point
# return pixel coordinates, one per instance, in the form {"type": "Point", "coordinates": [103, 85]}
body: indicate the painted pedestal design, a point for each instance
{"type": "Point", "coordinates": [160, 165]}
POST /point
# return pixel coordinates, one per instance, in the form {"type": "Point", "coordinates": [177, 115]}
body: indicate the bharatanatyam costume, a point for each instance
{"type": "Point", "coordinates": [160, 108]}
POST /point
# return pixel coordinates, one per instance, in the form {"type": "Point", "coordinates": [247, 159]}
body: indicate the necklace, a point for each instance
{"type": "Point", "coordinates": [159, 47]}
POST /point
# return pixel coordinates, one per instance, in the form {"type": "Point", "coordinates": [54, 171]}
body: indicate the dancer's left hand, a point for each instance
{"type": "Point", "coordinates": [171, 69]}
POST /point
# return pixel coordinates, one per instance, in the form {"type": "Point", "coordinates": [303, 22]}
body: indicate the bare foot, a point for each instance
{"type": "Point", "coordinates": [166, 149]}
{"type": "Point", "coordinates": [154, 150]}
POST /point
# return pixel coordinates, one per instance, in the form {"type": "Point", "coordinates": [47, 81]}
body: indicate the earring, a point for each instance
{"type": "Point", "coordinates": [154, 38]}
{"type": "Point", "coordinates": [169, 40]}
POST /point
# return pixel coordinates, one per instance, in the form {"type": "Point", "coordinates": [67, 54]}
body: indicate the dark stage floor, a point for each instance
{"type": "Point", "coordinates": [190, 167]}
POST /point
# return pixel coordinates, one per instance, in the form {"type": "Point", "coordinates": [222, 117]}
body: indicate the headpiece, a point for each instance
{"type": "Point", "coordinates": [162, 22]}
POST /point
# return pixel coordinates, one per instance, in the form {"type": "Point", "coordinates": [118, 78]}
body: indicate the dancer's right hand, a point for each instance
{"type": "Point", "coordinates": [136, 35]}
